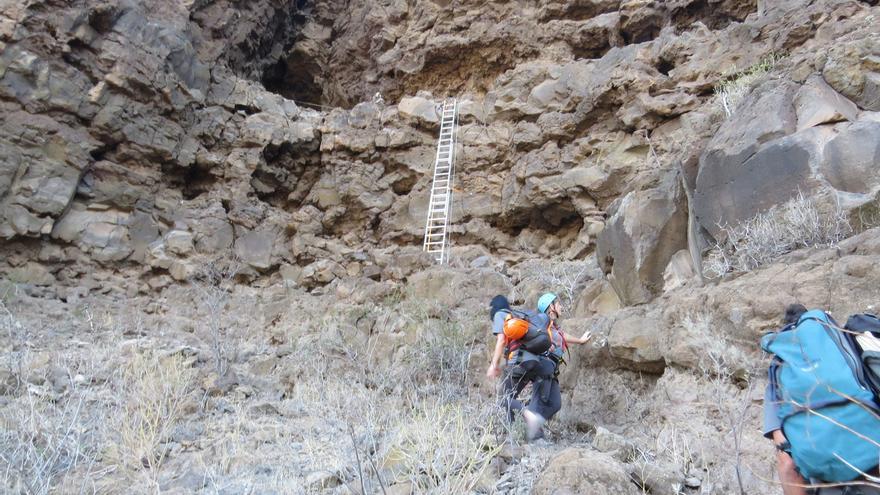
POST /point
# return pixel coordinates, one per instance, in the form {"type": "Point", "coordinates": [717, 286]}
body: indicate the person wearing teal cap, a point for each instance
{"type": "Point", "coordinates": [549, 397]}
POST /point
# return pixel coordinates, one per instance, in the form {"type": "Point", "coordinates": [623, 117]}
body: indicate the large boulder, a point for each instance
{"type": "Point", "coordinates": [645, 229]}
{"type": "Point", "coordinates": [817, 103]}
{"type": "Point", "coordinates": [451, 288]}
{"type": "Point", "coordinates": [99, 231]}
{"type": "Point", "coordinates": [576, 470]}
{"type": "Point", "coordinates": [727, 190]}
{"type": "Point", "coordinates": [852, 157]}
{"type": "Point", "coordinates": [635, 341]}
{"type": "Point", "coordinates": [419, 110]}
{"type": "Point", "coordinates": [853, 69]}
{"type": "Point", "coordinates": [728, 194]}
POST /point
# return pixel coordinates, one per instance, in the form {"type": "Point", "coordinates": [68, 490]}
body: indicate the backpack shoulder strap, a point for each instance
{"type": "Point", "coordinates": [518, 313]}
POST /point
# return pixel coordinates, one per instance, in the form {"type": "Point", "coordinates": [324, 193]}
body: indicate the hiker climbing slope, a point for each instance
{"type": "Point", "coordinates": [522, 366]}
{"type": "Point", "coordinates": [547, 393]}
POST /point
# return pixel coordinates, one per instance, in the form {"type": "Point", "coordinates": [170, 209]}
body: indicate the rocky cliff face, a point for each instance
{"type": "Point", "coordinates": [151, 134]}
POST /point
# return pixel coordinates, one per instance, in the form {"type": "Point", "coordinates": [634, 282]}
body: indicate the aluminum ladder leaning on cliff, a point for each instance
{"type": "Point", "coordinates": [437, 225]}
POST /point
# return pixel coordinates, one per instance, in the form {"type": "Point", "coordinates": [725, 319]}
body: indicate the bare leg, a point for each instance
{"type": "Point", "coordinates": [789, 477]}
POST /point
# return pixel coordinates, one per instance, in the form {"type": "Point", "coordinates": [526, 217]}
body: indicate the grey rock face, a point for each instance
{"type": "Point", "coordinates": [132, 118]}
{"type": "Point", "coordinates": [851, 158]}
{"type": "Point", "coordinates": [853, 69]}
{"type": "Point", "coordinates": [645, 230]}
{"type": "Point", "coordinates": [577, 470]}
{"type": "Point", "coordinates": [817, 103]}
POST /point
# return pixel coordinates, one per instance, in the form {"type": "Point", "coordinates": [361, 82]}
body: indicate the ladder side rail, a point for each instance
{"type": "Point", "coordinates": [449, 190]}
{"type": "Point", "coordinates": [444, 256]}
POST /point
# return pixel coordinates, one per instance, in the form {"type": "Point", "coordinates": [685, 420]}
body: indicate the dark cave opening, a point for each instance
{"type": "Point", "coordinates": [559, 220]}
{"type": "Point", "coordinates": [294, 77]}
{"type": "Point", "coordinates": [197, 181]}
{"type": "Point", "coordinates": [664, 66]}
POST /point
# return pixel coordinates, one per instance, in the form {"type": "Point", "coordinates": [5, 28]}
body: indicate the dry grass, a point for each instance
{"type": "Point", "coordinates": [153, 392]}
{"type": "Point", "coordinates": [365, 399]}
{"type": "Point", "coordinates": [796, 224]}
{"type": "Point", "coordinates": [442, 448]}
{"type": "Point", "coordinates": [730, 92]}
{"type": "Point", "coordinates": [45, 443]}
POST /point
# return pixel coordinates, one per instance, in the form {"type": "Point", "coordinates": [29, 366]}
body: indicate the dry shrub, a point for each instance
{"type": "Point", "coordinates": [43, 442]}
{"type": "Point", "coordinates": [730, 92]}
{"type": "Point", "coordinates": [212, 286]}
{"type": "Point", "coordinates": [565, 278]}
{"type": "Point", "coordinates": [440, 358]}
{"type": "Point", "coordinates": [153, 392]}
{"type": "Point", "coordinates": [717, 357]}
{"type": "Point", "coordinates": [795, 224]}
{"type": "Point", "coordinates": [412, 417]}
{"type": "Point", "coordinates": [442, 448]}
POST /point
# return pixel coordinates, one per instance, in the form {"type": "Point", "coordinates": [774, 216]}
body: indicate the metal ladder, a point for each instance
{"type": "Point", "coordinates": [436, 236]}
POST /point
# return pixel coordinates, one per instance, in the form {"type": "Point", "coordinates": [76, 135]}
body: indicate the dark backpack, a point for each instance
{"type": "Point", "coordinates": [537, 338]}
{"type": "Point", "coordinates": [865, 336]}
{"type": "Point", "coordinates": [827, 410]}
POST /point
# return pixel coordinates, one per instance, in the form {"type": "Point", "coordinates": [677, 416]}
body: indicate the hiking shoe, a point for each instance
{"type": "Point", "coordinates": [534, 425]}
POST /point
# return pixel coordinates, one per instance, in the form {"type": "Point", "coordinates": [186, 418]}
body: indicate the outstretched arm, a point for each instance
{"type": "Point", "coordinates": [494, 370]}
{"type": "Point", "coordinates": [582, 340]}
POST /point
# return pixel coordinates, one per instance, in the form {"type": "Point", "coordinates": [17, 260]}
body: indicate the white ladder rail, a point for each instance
{"type": "Point", "coordinates": [437, 223]}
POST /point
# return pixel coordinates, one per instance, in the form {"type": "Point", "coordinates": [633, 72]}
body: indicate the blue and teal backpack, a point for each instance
{"type": "Point", "coordinates": [826, 406]}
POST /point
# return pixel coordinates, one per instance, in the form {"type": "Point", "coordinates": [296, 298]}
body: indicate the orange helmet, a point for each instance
{"type": "Point", "coordinates": [515, 328]}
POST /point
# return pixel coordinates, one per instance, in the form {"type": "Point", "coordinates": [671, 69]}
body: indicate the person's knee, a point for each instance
{"type": "Point", "coordinates": [785, 463]}
{"type": "Point", "coordinates": [787, 470]}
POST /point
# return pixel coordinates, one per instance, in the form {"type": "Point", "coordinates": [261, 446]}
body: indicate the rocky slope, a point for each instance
{"type": "Point", "coordinates": [605, 147]}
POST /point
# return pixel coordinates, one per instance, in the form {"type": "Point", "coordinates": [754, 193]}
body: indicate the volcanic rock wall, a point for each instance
{"type": "Point", "coordinates": [300, 135]}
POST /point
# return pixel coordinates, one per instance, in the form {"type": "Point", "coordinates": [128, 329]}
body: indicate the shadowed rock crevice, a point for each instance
{"type": "Point", "coordinates": [192, 181]}
{"type": "Point", "coordinates": [260, 42]}
{"type": "Point", "coordinates": [714, 16]}
{"type": "Point", "coordinates": [295, 77]}
{"type": "Point", "coordinates": [548, 216]}
{"type": "Point", "coordinates": [287, 174]}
